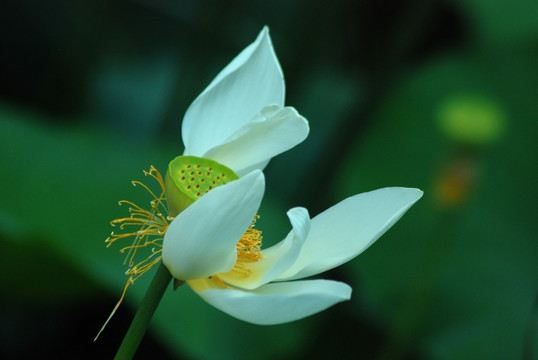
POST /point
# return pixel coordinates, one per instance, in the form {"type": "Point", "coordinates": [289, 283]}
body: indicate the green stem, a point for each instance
{"type": "Point", "coordinates": [144, 313]}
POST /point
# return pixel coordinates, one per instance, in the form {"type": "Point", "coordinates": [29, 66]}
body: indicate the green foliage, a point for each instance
{"type": "Point", "coordinates": [447, 282]}
{"type": "Point", "coordinates": [455, 280]}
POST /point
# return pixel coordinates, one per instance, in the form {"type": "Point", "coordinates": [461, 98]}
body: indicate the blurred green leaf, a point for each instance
{"type": "Point", "coordinates": [48, 278]}
{"type": "Point", "coordinates": [456, 281]}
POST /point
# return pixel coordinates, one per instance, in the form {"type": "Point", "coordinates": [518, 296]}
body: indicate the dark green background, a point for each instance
{"type": "Point", "coordinates": [93, 92]}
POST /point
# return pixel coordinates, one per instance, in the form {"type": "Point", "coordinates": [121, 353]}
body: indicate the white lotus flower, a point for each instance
{"type": "Point", "coordinates": [236, 125]}
{"type": "Point", "coordinates": [213, 246]}
{"type": "Point", "coordinates": [240, 120]}
{"type": "Point", "coordinates": [212, 193]}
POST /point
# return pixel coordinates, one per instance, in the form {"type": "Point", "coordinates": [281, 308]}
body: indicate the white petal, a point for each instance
{"type": "Point", "coordinates": [259, 166]}
{"type": "Point", "coordinates": [275, 303]}
{"type": "Point", "coordinates": [201, 240]}
{"type": "Point", "coordinates": [345, 230]}
{"type": "Point", "coordinates": [273, 131]}
{"type": "Point", "coordinates": [277, 258]}
{"type": "Point", "coordinates": [250, 82]}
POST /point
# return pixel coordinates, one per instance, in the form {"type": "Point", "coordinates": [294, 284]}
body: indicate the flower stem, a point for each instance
{"type": "Point", "coordinates": [143, 315]}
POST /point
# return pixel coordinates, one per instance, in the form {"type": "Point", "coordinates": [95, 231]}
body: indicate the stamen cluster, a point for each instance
{"type": "Point", "coordinates": [148, 229]}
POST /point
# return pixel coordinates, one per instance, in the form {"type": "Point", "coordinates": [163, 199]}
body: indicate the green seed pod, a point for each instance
{"type": "Point", "coordinates": [189, 177]}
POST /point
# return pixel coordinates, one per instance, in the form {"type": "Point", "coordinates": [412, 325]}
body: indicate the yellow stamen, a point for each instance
{"type": "Point", "coordinates": [249, 246]}
{"type": "Point", "coordinates": [248, 251]}
{"type": "Point", "coordinates": [148, 229]}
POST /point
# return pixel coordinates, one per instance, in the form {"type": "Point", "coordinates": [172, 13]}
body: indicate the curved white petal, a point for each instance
{"type": "Point", "coordinates": [250, 82]}
{"type": "Point", "coordinates": [201, 240]}
{"type": "Point", "coordinates": [275, 303]}
{"type": "Point", "coordinates": [345, 230]}
{"type": "Point", "coordinates": [273, 131]}
{"type": "Point", "coordinates": [277, 258]}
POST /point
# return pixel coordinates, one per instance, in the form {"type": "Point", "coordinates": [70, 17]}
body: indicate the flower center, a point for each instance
{"type": "Point", "coordinates": [187, 179]}
{"type": "Point", "coordinates": [190, 177]}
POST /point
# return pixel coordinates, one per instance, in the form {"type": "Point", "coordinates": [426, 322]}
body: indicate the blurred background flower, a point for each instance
{"type": "Point", "coordinates": [439, 95]}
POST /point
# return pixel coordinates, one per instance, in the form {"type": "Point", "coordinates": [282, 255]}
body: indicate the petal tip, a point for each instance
{"type": "Point", "coordinates": [415, 193]}
{"type": "Point", "coordinates": [298, 211]}
{"type": "Point", "coordinates": [256, 176]}
{"type": "Point", "coordinates": [265, 33]}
